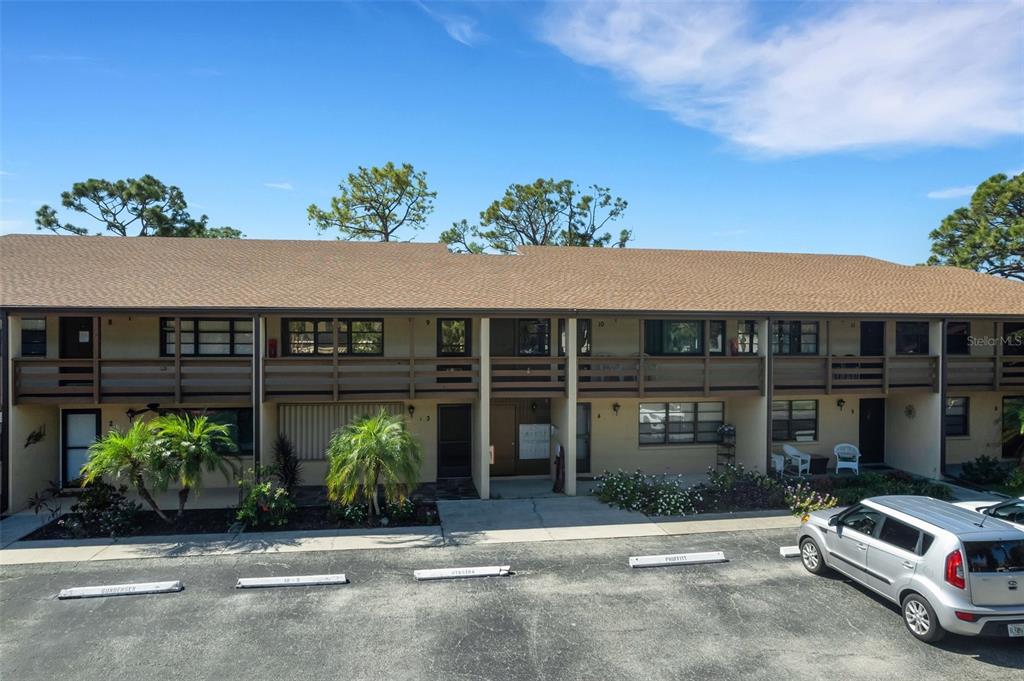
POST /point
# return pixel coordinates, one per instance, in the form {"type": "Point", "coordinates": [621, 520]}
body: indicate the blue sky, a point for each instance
{"type": "Point", "coordinates": [800, 127]}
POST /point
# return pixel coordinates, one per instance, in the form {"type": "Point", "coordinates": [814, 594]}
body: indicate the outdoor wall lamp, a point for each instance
{"type": "Point", "coordinates": [616, 407]}
{"type": "Point", "coordinates": [840, 403]}
{"type": "Point", "coordinates": [412, 410]}
{"type": "Point", "coordinates": [132, 413]}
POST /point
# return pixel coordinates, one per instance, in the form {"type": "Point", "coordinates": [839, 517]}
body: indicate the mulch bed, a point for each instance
{"type": "Point", "coordinates": [221, 520]}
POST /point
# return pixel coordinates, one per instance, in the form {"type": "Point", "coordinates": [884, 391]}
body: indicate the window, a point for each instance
{"type": "Point", "coordinates": [716, 337]}
{"type": "Point", "coordinates": [672, 423]}
{"type": "Point", "coordinates": [534, 337]}
{"type": "Point", "coordinates": [957, 335]}
{"type": "Point", "coordinates": [1013, 338]}
{"type": "Point", "coordinates": [1013, 426]}
{"type": "Point", "coordinates": [1001, 555]}
{"type": "Point", "coordinates": [956, 417]}
{"type": "Point", "coordinates": [746, 337]}
{"type": "Point", "coordinates": [1012, 511]}
{"type": "Point", "coordinates": [911, 338]}
{"type": "Point", "coordinates": [316, 337]}
{"type": "Point", "coordinates": [583, 335]}
{"type": "Point", "coordinates": [900, 535]}
{"type": "Point", "coordinates": [239, 422]}
{"type": "Point", "coordinates": [862, 519]}
{"type": "Point", "coordinates": [208, 337]}
{"type": "Point", "coordinates": [308, 337]}
{"type": "Point", "coordinates": [33, 337]}
{"type": "Point", "coordinates": [795, 338]}
{"type": "Point", "coordinates": [667, 337]}
{"type": "Point", "coordinates": [453, 337]}
{"type": "Point", "coordinates": [795, 421]}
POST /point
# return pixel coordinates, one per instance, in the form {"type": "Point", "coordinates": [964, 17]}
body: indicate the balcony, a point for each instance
{"type": "Point", "coordinates": [985, 373]}
{"type": "Point", "coordinates": [303, 379]}
{"type": "Point", "coordinates": [808, 375]}
{"type": "Point", "coordinates": [189, 380]}
{"type": "Point", "coordinates": [527, 376]}
{"type": "Point", "coordinates": [633, 376]}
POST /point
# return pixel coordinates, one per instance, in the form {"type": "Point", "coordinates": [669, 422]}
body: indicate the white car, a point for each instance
{"type": "Point", "coordinates": [1012, 510]}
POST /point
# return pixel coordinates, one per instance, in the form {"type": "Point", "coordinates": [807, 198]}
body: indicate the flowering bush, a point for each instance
{"type": "Point", "coordinates": [264, 504]}
{"type": "Point", "coordinates": [803, 498]}
{"type": "Point", "coordinates": [354, 514]}
{"type": "Point", "coordinates": [649, 494]}
{"type": "Point", "coordinates": [400, 511]}
{"type": "Point", "coordinates": [101, 510]}
{"type": "Point", "coordinates": [733, 488]}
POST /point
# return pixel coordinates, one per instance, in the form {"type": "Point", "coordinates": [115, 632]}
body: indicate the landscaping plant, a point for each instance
{"type": "Point", "coordinates": [985, 470]}
{"type": "Point", "coordinates": [263, 504]}
{"type": "Point", "coordinates": [376, 451]}
{"type": "Point", "coordinates": [132, 455]}
{"type": "Point", "coordinates": [102, 510]}
{"type": "Point", "coordinates": [287, 466]}
{"type": "Point", "coordinates": [802, 498]}
{"type": "Point", "coordinates": [190, 445]}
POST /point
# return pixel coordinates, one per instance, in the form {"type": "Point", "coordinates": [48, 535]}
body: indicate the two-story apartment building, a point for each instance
{"type": "Point", "coordinates": [617, 358]}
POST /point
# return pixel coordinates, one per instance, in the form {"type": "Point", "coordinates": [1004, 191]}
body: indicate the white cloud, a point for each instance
{"type": "Point", "coordinates": [459, 28]}
{"type": "Point", "coordinates": [286, 186]}
{"type": "Point", "coordinates": [952, 192]}
{"type": "Point", "coordinates": [844, 76]}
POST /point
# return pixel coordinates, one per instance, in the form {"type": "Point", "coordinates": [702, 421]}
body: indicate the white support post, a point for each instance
{"type": "Point", "coordinates": [483, 456]}
{"type": "Point", "coordinates": [569, 437]}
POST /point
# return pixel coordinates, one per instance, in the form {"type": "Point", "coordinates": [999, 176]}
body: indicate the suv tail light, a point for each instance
{"type": "Point", "coordinates": [955, 569]}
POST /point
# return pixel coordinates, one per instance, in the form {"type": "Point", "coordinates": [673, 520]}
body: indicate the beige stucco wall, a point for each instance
{"type": "Point", "coordinates": [835, 425]}
{"type": "Point", "coordinates": [912, 443]}
{"type": "Point", "coordinates": [985, 425]}
{"type": "Point", "coordinates": [32, 468]}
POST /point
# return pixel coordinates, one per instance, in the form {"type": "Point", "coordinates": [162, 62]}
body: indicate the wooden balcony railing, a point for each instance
{"type": "Point", "coordinates": [191, 380]}
{"type": "Point", "coordinates": [526, 376]}
{"type": "Point", "coordinates": [626, 376]}
{"type": "Point", "coordinates": [298, 379]}
{"type": "Point", "coordinates": [985, 373]}
{"type": "Point", "coordinates": [855, 374]}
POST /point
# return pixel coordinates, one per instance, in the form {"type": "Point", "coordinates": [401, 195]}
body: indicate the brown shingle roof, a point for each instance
{"type": "Point", "coordinates": [145, 273]}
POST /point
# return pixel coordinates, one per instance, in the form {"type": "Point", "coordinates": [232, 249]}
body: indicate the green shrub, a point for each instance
{"type": "Point", "coordinates": [287, 465]}
{"type": "Point", "coordinates": [400, 511]}
{"type": "Point", "coordinates": [733, 488]}
{"type": "Point", "coordinates": [803, 498]}
{"type": "Point", "coordinates": [353, 514]}
{"type": "Point", "coordinates": [985, 470]}
{"type": "Point", "coordinates": [1014, 483]}
{"type": "Point", "coordinates": [649, 494]}
{"type": "Point", "coordinates": [264, 504]}
{"type": "Point", "coordinates": [102, 510]}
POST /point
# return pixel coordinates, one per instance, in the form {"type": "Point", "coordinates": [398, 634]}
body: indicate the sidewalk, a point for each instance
{"type": "Point", "coordinates": [462, 523]}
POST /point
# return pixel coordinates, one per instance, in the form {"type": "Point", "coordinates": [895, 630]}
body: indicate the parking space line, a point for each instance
{"type": "Point", "coordinates": [678, 559]}
{"type": "Point", "coordinates": [121, 590]}
{"type": "Point", "coordinates": [294, 580]}
{"type": "Point", "coordinates": [460, 573]}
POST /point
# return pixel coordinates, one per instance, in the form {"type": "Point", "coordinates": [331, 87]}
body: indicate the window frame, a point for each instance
{"type": "Point", "coordinates": [723, 335]}
{"type": "Point", "coordinates": [468, 351]}
{"type": "Point", "coordinates": [747, 331]}
{"type": "Point", "coordinates": [965, 430]}
{"type": "Point", "coordinates": [790, 324]}
{"type": "Point", "coordinates": [789, 420]}
{"type": "Point", "coordinates": [345, 344]}
{"type": "Point", "coordinates": [927, 337]}
{"type": "Point", "coordinates": [38, 344]}
{"type": "Point", "coordinates": [545, 335]}
{"type": "Point", "coordinates": [886, 521]}
{"type": "Point", "coordinates": [693, 422]}
{"type": "Point", "coordinates": [654, 337]}
{"type": "Point", "coordinates": [232, 333]}
{"type": "Point", "coordinates": [965, 335]}
{"type": "Point", "coordinates": [583, 339]}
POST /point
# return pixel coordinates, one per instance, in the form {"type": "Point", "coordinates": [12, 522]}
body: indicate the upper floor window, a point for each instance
{"type": "Point", "coordinates": [957, 335]}
{"type": "Point", "coordinates": [33, 337]}
{"type": "Point", "coordinates": [208, 337]}
{"type": "Point", "coordinates": [795, 338]}
{"type": "Point", "coordinates": [956, 417]}
{"type": "Point", "coordinates": [534, 337]}
{"type": "Point", "coordinates": [794, 420]}
{"type": "Point", "coordinates": [716, 337]}
{"type": "Point", "coordinates": [911, 338]}
{"type": "Point", "coordinates": [673, 337]}
{"type": "Point", "coordinates": [316, 337]}
{"type": "Point", "coordinates": [746, 337]}
{"type": "Point", "coordinates": [584, 328]}
{"type": "Point", "coordinates": [1013, 338]}
{"type": "Point", "coordinates": [453, 337]}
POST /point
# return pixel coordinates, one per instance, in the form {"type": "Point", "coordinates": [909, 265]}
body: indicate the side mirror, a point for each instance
{"type": "Point", "coordinates": [833, 520]}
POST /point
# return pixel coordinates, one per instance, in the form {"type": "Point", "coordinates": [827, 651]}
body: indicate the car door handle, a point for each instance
{"type": "Point", "coordinates": [907, 564]}
{"type": "Point", "coordinates": [862, 547]}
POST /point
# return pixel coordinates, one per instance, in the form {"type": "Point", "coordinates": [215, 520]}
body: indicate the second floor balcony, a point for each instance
{"type": "Point", "coordinates": [853, 374]}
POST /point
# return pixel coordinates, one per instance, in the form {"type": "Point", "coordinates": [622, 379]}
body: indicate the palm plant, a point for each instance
{"type": "Point", "coordinates": [192, 445]}
{"type": "Point", "coordinates": [130, 454]}
{"type": "Point", "coordinates": [374, 451]}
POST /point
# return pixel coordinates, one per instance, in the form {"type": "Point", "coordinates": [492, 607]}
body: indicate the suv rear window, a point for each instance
{"type": "Point", "coordinates": [995, 556]}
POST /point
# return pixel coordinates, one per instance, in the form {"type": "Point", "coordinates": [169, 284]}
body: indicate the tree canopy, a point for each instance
{"type": "Point", "coordinates": [988, 235]}
{"type": "Point", "coordinates": [374, 204]}
{"type": "Point", "coordinates": [143, 207]}
{"type": "Point", "coordinates": [546, 212]}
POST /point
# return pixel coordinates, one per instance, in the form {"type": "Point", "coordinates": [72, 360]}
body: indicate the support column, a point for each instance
{"type": "Point", "coordinates": [5, 411]}
{"type": "Point", "coordinates": [569, 437]}
{"type": "Point", "coordinates": [481, 468]}
{"type": "Point", "coordinates": [257, 392]}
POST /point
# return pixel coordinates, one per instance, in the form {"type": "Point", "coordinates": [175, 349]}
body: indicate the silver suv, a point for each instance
{"type": "Point", "coordinates": [949, 569]}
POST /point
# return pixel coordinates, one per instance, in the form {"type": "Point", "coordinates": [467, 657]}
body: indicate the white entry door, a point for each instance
{"type": "Point", "coordinates": [80, 429]}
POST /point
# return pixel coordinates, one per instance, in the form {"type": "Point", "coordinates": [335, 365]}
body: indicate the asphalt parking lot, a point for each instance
{"type": "Point", "coordinates": [572, 610]}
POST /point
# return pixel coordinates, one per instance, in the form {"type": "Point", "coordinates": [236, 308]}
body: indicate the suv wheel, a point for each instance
{"type": "Point", "coordinates": [810, 556]}
{"type": "Point", "coordinates": [920, 619]}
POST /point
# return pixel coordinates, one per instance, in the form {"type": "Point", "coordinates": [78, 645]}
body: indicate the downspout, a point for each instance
{"type": "Point", "coordinates": [943, 387]}
{"type": "Point", "coordinates": [5, 411]}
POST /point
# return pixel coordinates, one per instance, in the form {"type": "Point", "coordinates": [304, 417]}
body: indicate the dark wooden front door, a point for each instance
{"type": "Point", "coordinates": [76, 338]}
{"type": "Point", "coordinates": [872, 430]}
{"type": "Point", "coordinates": [504, 433]}
{"type": "Point", "coordinates": [454, 440]}
{"type": "Point", "coordinates": [872, 339]}
{"type": "Point", "coordinates": [583, 438]}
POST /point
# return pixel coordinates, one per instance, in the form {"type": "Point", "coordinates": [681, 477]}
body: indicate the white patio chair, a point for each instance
{"type": "Point", "coordinates": [847, 457]}
{"type": "Point", "coordinates": [800, 460]}
{"type": "Point", "coordinates": [778, 463]}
